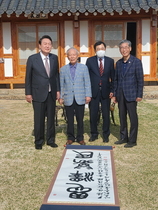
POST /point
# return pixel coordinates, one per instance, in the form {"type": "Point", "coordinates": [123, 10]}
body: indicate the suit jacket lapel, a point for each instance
{"type": "Point", "coordinates": [104, 64]}
{"type": "Point", "coordinates": [51, 60]}
{"type": "Point", "coordinates": [120, 67]}
{"type": "Point", "coordinates": [96, 65]}
{"type": "Point", "coordinates": [41, 65]}
{"type": "Point", "coordinates": [68, 71]}
{"type": "Point", "coordinates": [130, 61]}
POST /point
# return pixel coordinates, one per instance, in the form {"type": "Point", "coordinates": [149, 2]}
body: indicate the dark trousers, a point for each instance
{"type": "Point", "coordinates": [129, 108]}
{"type": "Point", "coordinates": [41, 110]}
{"type": "Point", "coordinates": [94, 109]}
{"type": "Point", "coordinates": [71, 111]}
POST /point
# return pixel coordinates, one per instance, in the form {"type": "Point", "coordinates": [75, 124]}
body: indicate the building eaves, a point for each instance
{"type": "Point", "coordinates": [75, 6]}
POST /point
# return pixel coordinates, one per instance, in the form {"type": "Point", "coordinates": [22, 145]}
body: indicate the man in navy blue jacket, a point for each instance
{"type": "Point", "coordinates": [128, 90]}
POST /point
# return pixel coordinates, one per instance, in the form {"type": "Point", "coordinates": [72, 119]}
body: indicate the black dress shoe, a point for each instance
{"type": "Point", "coordinates": [53, 145]}
{"type": "Point", "coordinates": [93, 138]}
{"type": "Point", "coordinates": [106, 140]}
{"type": "Point", "coordinates": [128, 145]}
{"type": "Point", "coordinates": [38, 146]}
{"type": "Point", "coordinates": [121, 141]}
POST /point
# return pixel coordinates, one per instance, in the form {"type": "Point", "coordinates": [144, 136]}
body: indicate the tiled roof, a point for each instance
{"type": "Point", "coordinates": [75, 6]}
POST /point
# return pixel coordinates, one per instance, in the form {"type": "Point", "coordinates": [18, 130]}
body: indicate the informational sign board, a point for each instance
{"type": "Point", "coordinates": [85, 179]}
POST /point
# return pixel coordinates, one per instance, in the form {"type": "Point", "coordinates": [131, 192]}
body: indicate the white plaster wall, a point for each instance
{"type": "Point", "coordinates": [7, 44]}
{"type": "Point", "coordinates": [84, 36]}
{"type": "Point", "coordinates": [8, 67]}
{"type": "Point", "coordinates": [68, 34]}
{"type": "Point", "coordinates": [83, 60]}
{"type": "Point", "coordinates": [146, 45]}
{"type": "Point", "coordinates": [7, 49]}
{"type": "Point", "coordinates": [66, 60]}
{"type": "Point", "coordinates": [145, 35]}
{"type": "Point", "coordinates": [146, 64]}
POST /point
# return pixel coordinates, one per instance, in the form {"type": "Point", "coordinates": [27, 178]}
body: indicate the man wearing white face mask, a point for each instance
{"type": "Point", "coordinates": [101, 70]}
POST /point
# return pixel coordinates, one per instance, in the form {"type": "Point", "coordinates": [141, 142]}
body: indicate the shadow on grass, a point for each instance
{"type": "Point", "coordinates": [62, 126]}
{"type": "Point", "coordinates": [114, 129]}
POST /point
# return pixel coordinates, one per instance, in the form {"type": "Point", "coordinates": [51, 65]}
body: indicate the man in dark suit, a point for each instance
{"type": "Point", "coordinates": [42, 90]}
{"type": "Point", "coordinates": [101, 70]}
{"type": "Point", "coordinates": [128, 90]}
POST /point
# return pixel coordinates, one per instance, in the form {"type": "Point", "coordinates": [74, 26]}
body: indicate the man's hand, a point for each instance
{"type": "Point", "coordinates": [114, 100]}
{"type": "Point", "coordinates": [61, 101]}
{"type": "Point", "coordinates": [29, 98]}
{"type": "Point", "coordinates": [88, 99]}
{"type": "Point", "coordinates": [138, 99]}
{"type": "Point", "coordinates": [110, 95]}
{"type": "Point", "coordinates": [58, 95]}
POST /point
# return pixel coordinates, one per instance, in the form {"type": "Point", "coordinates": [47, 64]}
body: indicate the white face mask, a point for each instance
{"type": "Point", "coordinates": [100, 53]}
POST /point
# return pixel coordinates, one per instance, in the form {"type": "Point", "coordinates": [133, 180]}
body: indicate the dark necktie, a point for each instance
{"type": "Point", "coordinates": [101, 67]}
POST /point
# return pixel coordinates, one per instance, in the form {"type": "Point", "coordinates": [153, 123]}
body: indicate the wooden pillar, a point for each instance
{"type": "Point", "coordinates": [153, 45]}
{"type": "Point", "coordinates": [1, 54]}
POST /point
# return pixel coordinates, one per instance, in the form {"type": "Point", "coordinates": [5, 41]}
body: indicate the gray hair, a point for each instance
{"type": "Point", "coordinates": [72, 48]}
{"type": "Point", "coordinates": [125, 41]}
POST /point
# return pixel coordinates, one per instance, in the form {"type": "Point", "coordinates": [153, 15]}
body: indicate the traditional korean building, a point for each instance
{"type": "Point", "coordinates": [78, 23]}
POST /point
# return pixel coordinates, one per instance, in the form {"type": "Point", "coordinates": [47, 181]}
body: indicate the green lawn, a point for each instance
{"type": "Point", "coordinates": [25, 173]}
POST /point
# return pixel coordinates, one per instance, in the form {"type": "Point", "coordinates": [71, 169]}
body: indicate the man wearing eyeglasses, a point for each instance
{"type": "Point", "coordinates": [128, 90]}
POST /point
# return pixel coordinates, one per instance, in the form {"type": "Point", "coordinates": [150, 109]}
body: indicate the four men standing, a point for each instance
{"type": "Point", "coordinates": [80, 85]}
